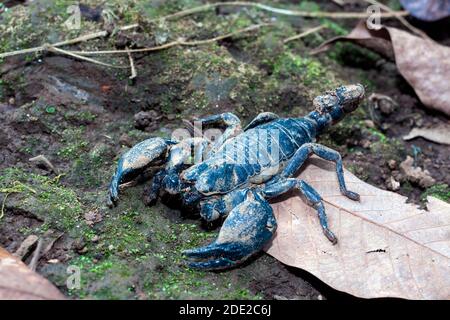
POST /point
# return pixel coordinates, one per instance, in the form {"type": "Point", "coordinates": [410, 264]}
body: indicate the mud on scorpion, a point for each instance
{"type": "Point", "coordinates": [234, 177]}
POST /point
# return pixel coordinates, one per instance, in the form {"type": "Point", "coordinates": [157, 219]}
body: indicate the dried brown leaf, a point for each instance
{"type": "Point", "coordinates": [386, 248]}
{"type": "Point", "coordinates": [18, 282]}
{"type": "Point", "coordinates": [423, 63]}
{"type": "Point", "coordinates": [439, 134]}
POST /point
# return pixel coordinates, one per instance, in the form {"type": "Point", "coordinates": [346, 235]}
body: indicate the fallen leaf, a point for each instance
{"type": "Point", "coordinates": [18, 282]}
{"type": "Point", "coordinates": [439, 134]}
{"type": "Point", "coordinates": [386, 247]}
{"type": "Point", "coordinates": [427, 10]}
{"type": "Point", "coordinates": [423, 63]}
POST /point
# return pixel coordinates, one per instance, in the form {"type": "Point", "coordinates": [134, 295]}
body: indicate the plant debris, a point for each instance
{"type": "Point", "coordinates": [416, 174]}
{"type": "Point", "coordinates": [423, 63]}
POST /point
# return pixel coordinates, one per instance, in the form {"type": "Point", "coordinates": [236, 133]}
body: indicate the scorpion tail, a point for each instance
{"type": "Point", "coordinates": [246, 230]}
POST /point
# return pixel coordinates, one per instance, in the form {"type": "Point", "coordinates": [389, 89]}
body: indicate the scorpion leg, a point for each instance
{"type": "Point", "coordinates": [248, 227]}
{"type": "Point", "coordinates": [261, 118]}
{"type": "Point", "coordinates": [323, 152]}
{"type": "Point", "coordinates": [313, 198]}
{"type": "Point", "coordinates": [232, 127]}
{"type": "Point", "coordinates": [135, 161]}
{"type": "Point", "coordinates": [152, 194]}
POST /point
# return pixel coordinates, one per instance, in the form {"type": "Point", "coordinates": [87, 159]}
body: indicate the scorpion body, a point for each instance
{"type": "Point", "coordinates": [242, 170]}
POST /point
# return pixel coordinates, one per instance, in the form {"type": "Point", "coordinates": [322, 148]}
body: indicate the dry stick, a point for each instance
{"type": "Point", "coordinates": [69, 53]}
{"type": "Point", "coordinates": [176, 42]}
{"type": "Point", "coordinates": [36, 255]}
{"type": "Point", "coordinates": [401, 19]}
{"type": "Point", "coordinates": [2, 211]}
{"type": "Point", "coordinates": [308, 14]}
{"type": "Point", "coordinates": [304, 34]}
{"type": "Point", "coordinates": [83, 38]}
{"type": "Point", "coordinates": [133, 68]}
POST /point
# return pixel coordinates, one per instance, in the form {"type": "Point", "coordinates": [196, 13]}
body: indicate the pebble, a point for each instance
{"type": "Point", "coordinates": [393, 184]}
{"type": "Point", "coordinates": [415, 174]}
{"type": "Point", "coordinates": [369, 123]}
{"type": "Point", "coordinates": [125, 140]}
{"type": "Point", "coordinates": [392, 164]}
{"type": "Point", "coordinates": [53, 261]}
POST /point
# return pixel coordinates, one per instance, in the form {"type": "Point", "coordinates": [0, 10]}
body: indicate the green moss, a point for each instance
{"type": "Point", "coordinates": [337, 29]}
{"type": "Point", "coordinates": [310, 6]}
{"type": "Point", "coordinates": [390, 149]}
{"type": "Point", "coordinates": [80, 116]}
{"type": "Point", "coordinates": [350, 54]}
{"type": "Point", "coordinates": [381, 137]}
{"type": "Point", "coordinates": [74, 143]}
{"type": "Point", "coordinates": [310, 70]}
{"type": "Point", "coordinates": [440, 191]}
{"type": "Point", "coordinates": [58, 206]}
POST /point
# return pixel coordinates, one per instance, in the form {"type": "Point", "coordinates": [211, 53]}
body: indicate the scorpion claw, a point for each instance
{"type": "Point", "coordinates": [246, 230]}
{"type": "Point", "coordinates": [220, 263]}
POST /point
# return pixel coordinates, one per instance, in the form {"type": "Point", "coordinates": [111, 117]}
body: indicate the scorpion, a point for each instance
{"type": "Point", "coordinates": [234, 177]}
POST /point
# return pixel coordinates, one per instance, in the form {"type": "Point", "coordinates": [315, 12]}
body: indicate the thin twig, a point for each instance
{"type": "Point", "coordinates": [307, 14]}
{"type": "Point", "coordinates": [69, 53]}
{"type": "Point", "coordinates": [400, 18]}
{"type": "Point", "coordinates": [179, 42]}
{"type": "Point", "coordinates": [133, 68]}
{"type": "Point", "coordinates": [36, 255]}
{"type": "Point", "coordinates": [43, 160]}
{"type": "Point", "coordinates": [2, 212]}
{"type": "Point", "coordinates": [304, 34]}
{"type": "Point", "coordinates": [83, 38]}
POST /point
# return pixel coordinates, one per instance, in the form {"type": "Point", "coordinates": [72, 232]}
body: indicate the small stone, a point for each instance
{"type": "Point", "coordinates": [12, 101]}
{"type": "Point", "coordinates": [95, 238]}
{"type": "Point", "coordinates": [386, 106]}
{"type": "Point", "coordinates": [365, 144]}
{"type": "Point", "coordinates": [319, 297]}
{"type": "Point", "coordinates": [393, 184]}
{"type": "Point", "coordinates": [83, 251]}
{"type": "Point", "coordinates": [53, 261]}
{"type": "Point", "coordinates": [392, 164]}
{"type": "Point", "coordinates": [145, 120]}
{"type": "Point", "coordinates": [125, 140]}
{"type": "Point", "coordinates": [78, 245]}
{"type": "Point", "coordinates": [419, 122]}
{"type": "Point", "coordinates": [369, 123]}
{"type": "Point", "coordinates": [415, 174]}
{"type": "Point", "coordinates": [170, 117]}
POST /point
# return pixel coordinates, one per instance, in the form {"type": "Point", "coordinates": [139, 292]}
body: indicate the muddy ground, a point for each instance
{"type": "Point", "coordinates": [82, 116]}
